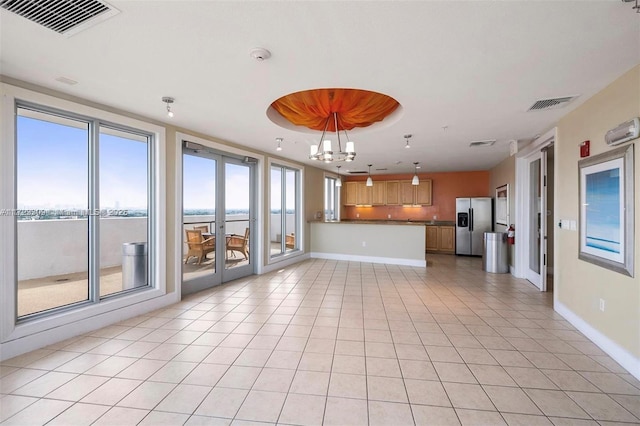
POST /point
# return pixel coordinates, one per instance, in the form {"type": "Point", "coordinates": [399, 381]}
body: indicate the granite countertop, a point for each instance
{"type": "Point", "coordinates": [398, 222]}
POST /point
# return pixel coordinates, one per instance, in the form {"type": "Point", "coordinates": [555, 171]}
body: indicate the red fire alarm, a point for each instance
{"type": "Point", "coordinates": [584, 149]}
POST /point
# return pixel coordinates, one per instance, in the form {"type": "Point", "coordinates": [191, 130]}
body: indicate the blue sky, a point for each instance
{"type": "Point", "coordinates": [53, 167]}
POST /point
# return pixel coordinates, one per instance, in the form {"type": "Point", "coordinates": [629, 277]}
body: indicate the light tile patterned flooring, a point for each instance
{"type": "Point", "coordinates": [335, 343]}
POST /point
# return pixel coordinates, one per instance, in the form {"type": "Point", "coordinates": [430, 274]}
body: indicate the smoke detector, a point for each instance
{"type": "Point", "coordinates": [260, 54]}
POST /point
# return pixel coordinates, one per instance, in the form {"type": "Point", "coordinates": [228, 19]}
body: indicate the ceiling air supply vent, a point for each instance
{"type": "Point", "coordinates": [62, 16]}
{"type": "Point", "coordinates": [476, 144]}
{"type": "Point", "coordinates": [551, 103]}
{"type": "Point", "coordinates": [358, 172]}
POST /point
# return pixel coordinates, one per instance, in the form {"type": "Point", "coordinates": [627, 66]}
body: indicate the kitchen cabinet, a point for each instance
{"type": "Point", "coordinates": [416, 194]}
{"type": "Point", "coordinates": [387, 193]}
{"type": "Point", "coordinates": [431, 238]}
{"type": "Point", "coordinates": [423, 192]}
{"type": "Point", "coordinates": [350, 193]}
{"type": "Point", "coordinates": [363, 194]}
{"type": "Point", "coordinates": [440, 239]}
{"type": "Point", "coordinates": [392, 193]}
{"type": "Point", "coordinates": [378, 193]}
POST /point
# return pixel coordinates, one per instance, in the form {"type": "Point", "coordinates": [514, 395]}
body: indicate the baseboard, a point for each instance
{"type": "Point", "coordinates": [370, 259]}
{"type": "Point", "coordinates": [44, 338]}
{"type": "Point", "coordinates": [627, 360]}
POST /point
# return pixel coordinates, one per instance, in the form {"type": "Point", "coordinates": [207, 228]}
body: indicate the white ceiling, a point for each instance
{"type": "Point", "coordinates": [475, 67]}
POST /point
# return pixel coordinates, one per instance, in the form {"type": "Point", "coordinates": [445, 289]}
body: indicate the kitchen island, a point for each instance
{"type": "Point", "coordinates": [390, 242]}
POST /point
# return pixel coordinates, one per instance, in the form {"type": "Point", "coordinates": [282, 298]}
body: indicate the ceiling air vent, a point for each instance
{"type": "Point", "coordinates": [476, 144]}
{"type": "Point", "coordinates": [358, 172]}
{"type": "Point", "coordinates": [62, 16]}
{"type": "Point", "coordinates": [551, 103]}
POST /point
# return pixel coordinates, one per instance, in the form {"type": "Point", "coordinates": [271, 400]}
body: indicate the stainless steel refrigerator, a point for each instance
{"type": "Point", "coordinates": [474, 217]}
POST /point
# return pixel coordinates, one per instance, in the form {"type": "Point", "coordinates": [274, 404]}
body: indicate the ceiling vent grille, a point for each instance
{"type": "Point", "coordinates": [476, 144]}
{"type": "Point", "coordinates": [358, 172]}
{"type": "Point", "coordinates": [551, 103]}
{"type": "Point", "coordinates": [62, 16]}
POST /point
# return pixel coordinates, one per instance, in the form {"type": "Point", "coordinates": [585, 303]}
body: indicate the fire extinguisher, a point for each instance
{"type": "Point", "coordinates": [511, 235]}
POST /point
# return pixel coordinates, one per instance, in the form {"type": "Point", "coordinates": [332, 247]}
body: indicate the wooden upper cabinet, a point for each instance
{"type": "Point", "coordinates": [390, 193]}
{"type": "Point", "coordinates": [350, 193]}
{"type": "Point", "coordinates": [378, 193]}
{"type": "Point", "coordinates": [423, 192]}
{"type": "Point", "coordinates": [393, 193]}
{"type": "Point", "coordinates": [364, 194]}
{"type": "Point", "coordinates": [407, 192]}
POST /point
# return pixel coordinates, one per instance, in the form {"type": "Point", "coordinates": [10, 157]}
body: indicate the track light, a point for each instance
{"type": "Point", "coordinates": [279, 148]}
{"type": "Point", "coordinates": [168, 100]}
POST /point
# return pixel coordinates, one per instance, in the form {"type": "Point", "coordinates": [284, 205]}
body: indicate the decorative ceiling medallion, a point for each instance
{"type": "Point", "coordinates": [353, 108]}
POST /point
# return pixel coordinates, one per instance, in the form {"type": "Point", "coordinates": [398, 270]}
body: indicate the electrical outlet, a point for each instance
{"type": "Point", "coordinates": [364, 244]}
{"type": "Point", "coordinates": [602, 305]}
{"type": "Point", "coordinates": [357, 215]}
{"type": "Point", "coordinates": [388, 216]}
{"type": "Point", "coordinates": [435, 217]}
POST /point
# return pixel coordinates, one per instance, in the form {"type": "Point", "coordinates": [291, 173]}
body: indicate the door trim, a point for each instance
{"type": "Point", "coordinates": [543, 141]}
{"type": "Point", "coordinates": [177, 226]}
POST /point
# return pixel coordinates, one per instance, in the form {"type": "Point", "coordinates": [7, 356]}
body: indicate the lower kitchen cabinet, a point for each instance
{"type": "Point", "coordinates": [440, 239]}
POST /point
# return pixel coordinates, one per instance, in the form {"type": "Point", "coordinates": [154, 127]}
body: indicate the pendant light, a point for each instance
{"type": "Point", "coordinates": [369, 180]}
{"type": "Point", "coordinates": [407, 146]}
{"type": "Point", "coordinates": [279, 147]}
{"type": "Point", "coordinates": [168, 100]}
{"type": "Point", "coordinates": [415, 180]}
{"type": "Point", "coordinates": [339, 180]}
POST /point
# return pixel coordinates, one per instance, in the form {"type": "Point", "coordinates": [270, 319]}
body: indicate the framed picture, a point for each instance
{"type": "Point", "coordinates": [502, 205]}
{"type": "Point", "coordinates": [606, 210]}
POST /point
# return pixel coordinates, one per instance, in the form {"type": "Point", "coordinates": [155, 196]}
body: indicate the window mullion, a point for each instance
{"type": "Point", "coordinates": [283, 209]}
{"type": "Point", "coordinates": [94, 206]}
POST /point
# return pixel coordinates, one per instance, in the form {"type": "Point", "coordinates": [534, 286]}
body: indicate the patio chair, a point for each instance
{"type": "Point", "coordinates": [290, 241]}
{"type": "Point", "coordinates": [198, 246]}
{"type": "Point", "coordinates": [239, 243]}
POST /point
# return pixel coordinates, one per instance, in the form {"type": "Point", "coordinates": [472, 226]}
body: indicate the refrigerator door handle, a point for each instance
{"type": "Point", "coordinates": [470, 219]}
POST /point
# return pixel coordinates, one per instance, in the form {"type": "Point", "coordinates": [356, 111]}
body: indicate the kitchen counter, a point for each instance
{"type": "Point", "coordinates": [399, 222]}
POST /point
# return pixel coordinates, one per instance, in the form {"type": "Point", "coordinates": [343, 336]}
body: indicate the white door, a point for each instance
{"type": "Point", "coordinates": [534, 232]}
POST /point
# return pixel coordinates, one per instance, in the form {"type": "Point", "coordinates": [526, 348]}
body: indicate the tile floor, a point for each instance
{"type": "Point", "coordinates": [335, 343]}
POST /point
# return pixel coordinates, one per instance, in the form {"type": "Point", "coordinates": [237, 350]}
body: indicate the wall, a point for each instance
{"type": "Point", "coordinates": [445, 188]}
{"type": "Point", "coordinates": [579, 285]}
{"type": "Point", "coordinates": [505, 172]}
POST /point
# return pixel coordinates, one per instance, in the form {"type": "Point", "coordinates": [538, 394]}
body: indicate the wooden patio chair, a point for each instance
{"type": "Point", "coordinates": [198, 246]}
{"type": "Point", "coordinates": [239, 243]}
{"type": "Point", "coordinates": [290, 241]}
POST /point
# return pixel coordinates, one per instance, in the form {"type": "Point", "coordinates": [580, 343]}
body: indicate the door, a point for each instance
{"type": "Point", "coordinates": [217, 200]}
{"type": "Point", "coordinates": [534, 232]}
{"type": "Point", "coordinates": [481, 221]}
{"type": "Point", "coordinates": [463, 236]}
{"type": "Point", "coordinates": [238, 219]}
{"type": "Point", "coordinates": [431, 238]}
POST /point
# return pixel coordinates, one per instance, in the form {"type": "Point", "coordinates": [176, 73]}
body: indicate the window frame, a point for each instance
{"type": "Point", "coordinates": [337, 193]}
{"type": "Point", "coordinates": [56, 324]}
{"type": "Point", "coordinates": [299, 202]}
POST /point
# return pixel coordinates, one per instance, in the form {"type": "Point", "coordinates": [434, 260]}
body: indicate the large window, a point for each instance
{"type": "Point", "coordinates": [331, 199]}
{"type": "Point", "coordinates": [285, 208]}
{"type": "Point", "coordinates": [82, 210]}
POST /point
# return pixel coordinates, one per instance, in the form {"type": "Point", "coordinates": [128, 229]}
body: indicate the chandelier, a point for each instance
{"type": "Point", "coordinates": [325, 152]}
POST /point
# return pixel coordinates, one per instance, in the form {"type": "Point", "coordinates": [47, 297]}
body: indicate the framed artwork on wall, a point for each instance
{"type": "Point", "coordinates": [502, 205]}
{"type": "Point", "coordinates": [607, 210]}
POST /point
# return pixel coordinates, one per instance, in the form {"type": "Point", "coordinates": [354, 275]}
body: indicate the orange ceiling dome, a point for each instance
{"type": "Point", "coordinates": [354, 108]}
